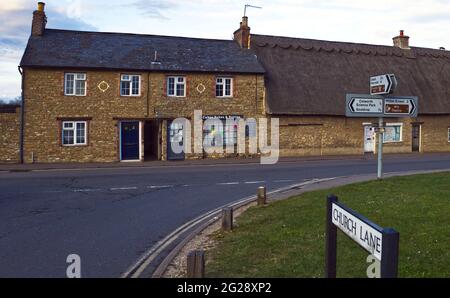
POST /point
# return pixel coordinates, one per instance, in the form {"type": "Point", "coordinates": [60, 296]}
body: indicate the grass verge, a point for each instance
{"type": "Point", "coordinates": [286, 238]}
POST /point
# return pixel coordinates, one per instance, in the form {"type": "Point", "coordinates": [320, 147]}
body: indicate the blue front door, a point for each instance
{"type": "Point", "coordinates": [129, 140]}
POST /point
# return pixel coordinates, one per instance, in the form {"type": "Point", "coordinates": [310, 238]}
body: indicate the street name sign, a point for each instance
{"type": "Point", "coordinates": [366, 234]}
{"type": "Point", "coordinates": [365, 105]}
{"type": "Point", "coordinates": [401, 105]}
{"type": "Point", "coordinates": [382, 243]}
{"type": "Point", "coordinates": [383, 84]}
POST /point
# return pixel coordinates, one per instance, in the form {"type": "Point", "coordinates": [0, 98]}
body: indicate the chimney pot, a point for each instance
{"type": "Point", "coordinates": [401, 41]}
{"type": "Point", "coordinates": [41, 6]}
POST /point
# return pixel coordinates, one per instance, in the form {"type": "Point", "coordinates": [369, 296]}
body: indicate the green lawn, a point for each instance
{"type": "Point", "coordinates": [286, 239]}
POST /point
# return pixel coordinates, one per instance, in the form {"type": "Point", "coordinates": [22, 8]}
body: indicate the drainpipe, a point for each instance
{"type": "Point", "coordinates": [22, 117]}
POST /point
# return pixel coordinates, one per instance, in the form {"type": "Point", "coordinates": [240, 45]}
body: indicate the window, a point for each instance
{"type": "Point", "coordinates": [224, 87]}
{"type": "Point", "coordinates": [130, 85]}
{"type": "Point", "coordinates": [73, 133]}
{"type": "Point", "coordinates": [176, 86]}
{"type": "Point", "coordinates": [449, 134]}
{"type": "Point", "coordinates": [75, 84]}
{"type": "Point", "coordinates": [393, 133]}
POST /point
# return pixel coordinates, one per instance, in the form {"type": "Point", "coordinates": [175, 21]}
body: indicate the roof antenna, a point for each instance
{"type": "Point", "coordinates": [155, 59]}
{"type": "Point", "coordinates": [251, 6]}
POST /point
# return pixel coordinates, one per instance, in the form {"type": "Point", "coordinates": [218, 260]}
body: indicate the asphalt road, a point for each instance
{"type": "Point", "coordinates": [110, 217]}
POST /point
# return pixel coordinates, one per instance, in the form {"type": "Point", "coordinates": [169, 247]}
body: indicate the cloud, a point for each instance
{"type": "Point", "coordinates": [154, 8]}
{"type": "Point", "coordinates": [15, 31]}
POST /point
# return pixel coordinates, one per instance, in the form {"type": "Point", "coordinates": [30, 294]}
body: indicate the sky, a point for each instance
{"type": "Point", "coordinates": [427, 22]}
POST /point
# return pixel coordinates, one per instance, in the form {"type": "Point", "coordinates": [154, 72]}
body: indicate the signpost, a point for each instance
{"type": "Point", "coordinates": [383, 84]}
{"type": "Point", "coordinates": [382, 243]}
{"type": "Point", "coordinates": [401, 105]}
{"type": "Point", "coordinates": [377, 104]}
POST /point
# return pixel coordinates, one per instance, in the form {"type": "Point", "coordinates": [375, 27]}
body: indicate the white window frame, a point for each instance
{"type": "Point", "coordinates": [176, 83]}
{"type": "Point", "coordinates": [223, 83]}
{"type": "Point", "coordinates": [131, 85]}
{"type": "Point", "coordinates": [75, 79]}
{"type": "Point", "coordinates": [401, 133]}
{"type": "Point", "coordinates": [75, 133]}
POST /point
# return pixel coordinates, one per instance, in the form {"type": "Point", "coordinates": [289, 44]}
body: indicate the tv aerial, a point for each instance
{"type": "Point", "coordinates": [250, 6]}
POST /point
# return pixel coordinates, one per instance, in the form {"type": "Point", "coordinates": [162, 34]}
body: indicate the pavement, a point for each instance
{"type": "Point", "coordinates": [111, 216]}
{"type": "Point", "coordinates": [16, 167]}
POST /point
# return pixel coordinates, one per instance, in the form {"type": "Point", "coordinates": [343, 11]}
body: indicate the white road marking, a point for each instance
{"type": "Point", "coordinates": [86, 190]}
{"type": "Point", "coordinates": [282, 181]}
{"type": "Point", "coordinates": [159, 186]}
{"type": "Point", "coordinates": [228, 183]}
{"type": "Point", "coordinates": [254, 182]}
{"type": "Point", "coordinates": [122, 188]}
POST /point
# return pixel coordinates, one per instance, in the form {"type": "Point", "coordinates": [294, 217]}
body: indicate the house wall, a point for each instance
{"type": "Point", "coordinates": [315, 136]}
{"type": "Point", "coordinates": [46, 105]}
{"type": "Point", "coordinates": [9, 136]}
{"type": "Point", "coordinates": [434, 133]}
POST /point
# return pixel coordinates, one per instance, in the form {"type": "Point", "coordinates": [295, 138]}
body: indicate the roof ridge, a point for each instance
{"type": "Point", "coordinates": [347, 43]}
{"type": "Point", "coordinates": [137, 34]}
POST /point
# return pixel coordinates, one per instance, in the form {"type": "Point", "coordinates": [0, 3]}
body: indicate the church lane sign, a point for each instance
{"type": "Point", "coordinates": [367, 235]}
{"type": "Point", "coordinates": [365, 105]}
{"type": "Point", "coordinates": [382, 243]}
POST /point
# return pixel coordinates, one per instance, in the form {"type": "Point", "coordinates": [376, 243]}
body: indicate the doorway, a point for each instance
{"type": "Point", "coordinates": [151, 140]}
{"type": "Point", "coordinates": [175, 140]}
{"type": "Point", "coordinates": [416, 137]}
{"type": "Point", "coordinates": [130, 141]}
{"type": "Point", "coordinates": [369, 139]}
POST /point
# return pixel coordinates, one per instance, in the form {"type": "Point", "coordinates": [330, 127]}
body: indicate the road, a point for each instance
{"type": "Point", "coordinates": [110, 217]}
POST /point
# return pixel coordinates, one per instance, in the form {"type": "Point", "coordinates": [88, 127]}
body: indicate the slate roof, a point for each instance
{"type": "Point", "coordinates": [79, 49]}
{"type": "Point", "coordinates": [311, 77]}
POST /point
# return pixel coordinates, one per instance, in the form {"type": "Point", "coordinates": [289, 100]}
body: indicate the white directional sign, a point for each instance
{"type": "Point", "coordinates": [366, 105]}
{"type": "Point", "coordinates": [362, 233]}
{"type": "Point", "coordinates": [400, 106]}
{"type": "Point", "coordinates": [383, 84]}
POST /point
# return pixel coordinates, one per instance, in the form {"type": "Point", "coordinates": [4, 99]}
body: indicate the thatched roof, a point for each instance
{"type": "Point", "coordinates": [311, 77]}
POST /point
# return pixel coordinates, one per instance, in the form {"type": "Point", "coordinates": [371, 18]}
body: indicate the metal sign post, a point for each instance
{"type": "Point", "coordinates": [380, 148]}
{"type": "Point", "coordinates": [382, 243]}
{"type": "Point", "coordinates": [379, 104]}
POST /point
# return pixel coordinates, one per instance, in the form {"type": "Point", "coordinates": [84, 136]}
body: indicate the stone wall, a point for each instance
{"type": "Point", "coordinates": [103, 107]}
{"type": "Point", "coordinates": [309, 135]}
{"type": "Point", "coordinates": [9, 135]}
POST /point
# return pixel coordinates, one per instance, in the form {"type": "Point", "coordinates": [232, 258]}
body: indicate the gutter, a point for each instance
{"type": "Point", "coordinates": [22, 117]}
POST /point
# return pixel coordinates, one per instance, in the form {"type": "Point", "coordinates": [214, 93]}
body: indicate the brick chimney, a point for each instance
{"type": "Point", "coordinates": [242, 35]}
{"type": "Point", "coordinates": [39, 20]}
{"type": "Point", "coordinates": [401, 41]}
